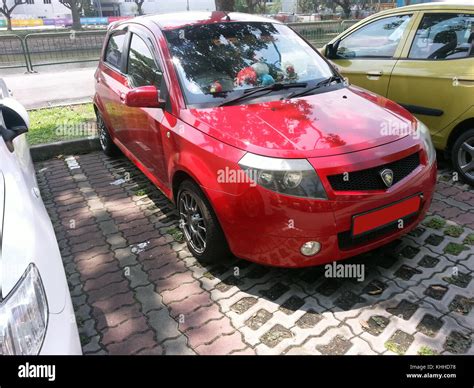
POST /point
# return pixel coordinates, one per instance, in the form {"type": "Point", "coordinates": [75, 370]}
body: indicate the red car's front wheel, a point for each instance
{"type": "Point", "coordinates": [199, 224]}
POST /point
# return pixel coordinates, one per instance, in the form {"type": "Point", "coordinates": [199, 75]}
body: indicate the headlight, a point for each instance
{"type": "Point", "coordinates": [294, 177]}
{"type": "Point", "coordinates": [424, 133]}
{"type": "Point", "coordinates": [24, 316]}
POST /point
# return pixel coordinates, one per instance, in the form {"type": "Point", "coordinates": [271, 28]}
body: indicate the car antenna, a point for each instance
{"type": "Point", "coordinates": [227, 17]}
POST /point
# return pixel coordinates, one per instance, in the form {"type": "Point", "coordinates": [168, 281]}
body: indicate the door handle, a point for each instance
{"type": "Point", "coordinates": [374, 73]}
{"type": "Point", "coordinates": [122, 97]}
{"type": "Point", "coordinates": [466, 81]}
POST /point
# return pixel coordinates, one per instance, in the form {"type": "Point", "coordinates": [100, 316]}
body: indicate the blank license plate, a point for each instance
{"type": "Point", "coordinates": [378, 218]}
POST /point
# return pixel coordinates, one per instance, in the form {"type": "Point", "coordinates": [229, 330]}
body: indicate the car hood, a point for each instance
{"type": "Point", "coordinates": [27, 233]}
{"type": "Point", "coordinates": [335, 122]}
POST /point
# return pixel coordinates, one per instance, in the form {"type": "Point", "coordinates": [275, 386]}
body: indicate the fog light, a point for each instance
{"type": "Point", "coordinates": [310, 248]}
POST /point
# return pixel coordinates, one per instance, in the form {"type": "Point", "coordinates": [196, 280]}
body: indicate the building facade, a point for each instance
{"type": "Point", "coordinates": [129, 8]}
{"type": "Point", "coordinates": [40, 9]}
{"type": "Point", "coordinates": [51, 9]}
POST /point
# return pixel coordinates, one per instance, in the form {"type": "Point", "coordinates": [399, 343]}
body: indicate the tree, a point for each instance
{"type": "Point", "coordinates": [254, 6]}
{"type": "Point", "coordinates": [274, 7]}
{"type": "Point", "coordinates": [7, 11]}
{"type": "Point", "coordinates": [76, 7]}
{"type": "Point", "coordinates": [251, 4]}
{"type": "Point", "coordinates": [225, 5]}
{"type": "Point", "coordinates": [89, 9]}
{"type": "Point", "coordinates": [257, 6]}
{"type": "Point", "coordinates": [308, 6]}
{"type": "Point", "coordinates": [139, 4]}
{"type": "Point", "coordinates": [346, 7]}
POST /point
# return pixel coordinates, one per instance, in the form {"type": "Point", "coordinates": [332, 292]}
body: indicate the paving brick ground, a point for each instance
{"type": "Point", "coordinates": [137, 290]}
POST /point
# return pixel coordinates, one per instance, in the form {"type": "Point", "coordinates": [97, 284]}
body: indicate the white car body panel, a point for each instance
{"type": "Point", "coordinates": [28, 237]}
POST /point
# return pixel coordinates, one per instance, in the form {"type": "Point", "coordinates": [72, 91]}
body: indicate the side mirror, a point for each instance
{"type": "Point", "coordinates": [4, 91]}
{"type": "Point", "coordinates": [13, 121]}
{"type": "Point", "coordinates": [144, 97]}
{"type": "Point", "coordinates": [331, 50]}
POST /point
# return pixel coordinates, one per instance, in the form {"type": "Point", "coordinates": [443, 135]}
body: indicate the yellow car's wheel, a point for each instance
{"type": "Point", "coordinates": [463, 156]}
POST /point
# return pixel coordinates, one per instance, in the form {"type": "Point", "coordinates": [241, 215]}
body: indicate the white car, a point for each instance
{"type": "Point", "coordinates": [36, 313]}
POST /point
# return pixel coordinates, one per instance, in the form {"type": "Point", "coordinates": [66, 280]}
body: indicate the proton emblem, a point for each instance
{"type": "Point", "coordinates": [387, 177]}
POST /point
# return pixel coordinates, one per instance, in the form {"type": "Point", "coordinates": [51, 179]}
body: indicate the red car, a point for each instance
{"type": "Point", "coordinates": [265, 150]}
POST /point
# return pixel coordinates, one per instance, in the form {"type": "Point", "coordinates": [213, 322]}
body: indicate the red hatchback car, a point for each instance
{"type": "Point", "coordinates": [265, 150]}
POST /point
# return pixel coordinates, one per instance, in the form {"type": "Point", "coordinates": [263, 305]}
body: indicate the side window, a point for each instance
{"type": "Point", "coordinates": [142, 69]}
{"type": "Point", "coordinates": [378, 39]}
{"type": "Point", "coordinates": [113, 52]}
{"type": "Point", "coordinates": [444, 36]}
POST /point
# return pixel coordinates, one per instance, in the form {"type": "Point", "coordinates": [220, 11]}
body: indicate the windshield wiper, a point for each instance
{"type": "Point", "coordinates": [270, 88]}
{"type": "Point", "coordinates": [320, 84]}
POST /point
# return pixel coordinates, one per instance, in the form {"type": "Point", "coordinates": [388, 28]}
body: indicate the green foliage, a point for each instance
{"type": "Point", "coordinates": [88, 9]}
{"type": "Point", "coordinates": [240, 6]}
{"type": "Point", "coordinates": [435, 223]}
{"type": "Point", "coordinates": [455, 248]}
{"type": "Point", "coordinates": [453, 230]}
{"type": "Point", "coordinates": [176, 233]}
{"type": "Point", "coordinates": [275, 7]}
{"type": "Point", "coordinates": [469, 239]}
{"type": "Point", "coordinates": [308, 6]}
{"type": "Point", "coordinates": [427, 351]}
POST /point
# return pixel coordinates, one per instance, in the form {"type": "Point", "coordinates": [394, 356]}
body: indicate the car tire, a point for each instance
{"type": "Point", "coordinates": [106, 142]}
{"type": "Point", "coordinates": [199, 225]}
{"type": "Point", "coordinates": [462, 155]}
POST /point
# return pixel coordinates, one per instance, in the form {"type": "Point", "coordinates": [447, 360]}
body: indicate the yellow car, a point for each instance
{"type": "Point", "coordinates": [422, 57]}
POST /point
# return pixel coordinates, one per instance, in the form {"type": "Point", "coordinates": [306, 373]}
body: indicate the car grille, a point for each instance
{"type": "Point", "coordinates": [347, 241]}
{"type": "Point", "coordinates": [370, 179]}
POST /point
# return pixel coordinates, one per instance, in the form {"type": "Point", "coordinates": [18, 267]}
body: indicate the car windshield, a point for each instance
{"type": "Point", "coordinates": [222, 60]}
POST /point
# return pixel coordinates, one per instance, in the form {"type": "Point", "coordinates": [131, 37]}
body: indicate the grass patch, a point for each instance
{"type": "Point", "coordinates": [79, 321]}
{"type": "Point", "coordinates": [176, 233]}
{"type": "Point", "coordinates": [445, 178]}
{"type": "Point", "coordinates": [393, 347]}
{"type": "Point", "coordinates": [435, 223]}
{"type": "Point", "coordinates": [61, 123]}
{"type": "Point", "coordinates": [453, 230]}
{"type": "Point", "coordinates": [427, 351]}
{"type": "Point", "coordinates": [469, 239]}
{"type": "Point", "coordinates": [454, 248]}
{"type": "Point", "coordinates": [139, 192]}
{"type": "Point", "coordinates": [84, 339]}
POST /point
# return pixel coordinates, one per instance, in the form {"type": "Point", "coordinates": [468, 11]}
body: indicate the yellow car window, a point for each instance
{"type": "Point", "coordinates": [378, 39]}
{"type": "Point", "coordinates": [444, 36]}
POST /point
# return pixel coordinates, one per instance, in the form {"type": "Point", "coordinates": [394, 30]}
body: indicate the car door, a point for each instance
{"type": "Point", "coordinates": [434, 77]}
{"type": "Point", "coordinates": [111, 82]}
{"type": "Point", "coordinates": [143, 125]}
{"type": "Point", "coordinates": [368, 54]}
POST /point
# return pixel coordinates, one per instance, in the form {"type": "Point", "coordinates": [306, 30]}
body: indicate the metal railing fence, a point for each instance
{"type": "Point", "coordinates": [320, 33]}
{"type": "Point", "coordinates": [54, 48]}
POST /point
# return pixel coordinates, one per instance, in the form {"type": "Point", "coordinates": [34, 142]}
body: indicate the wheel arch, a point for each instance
{"type": "Point", "coordinates": [179, 177]}
{"type": "Point", "coordinates": [456, 132]}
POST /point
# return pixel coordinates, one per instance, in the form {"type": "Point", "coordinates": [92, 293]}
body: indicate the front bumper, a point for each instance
{"type": "Point", "coordinates": [269, 228]}
{"type": "Point", "coordinates": [62, 337]}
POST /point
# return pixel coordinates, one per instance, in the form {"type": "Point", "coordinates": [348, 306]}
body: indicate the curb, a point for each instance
{"type": "Point", "coordinates": [42, 152]}
{"type": "Point", "coordinates": [59, 103]}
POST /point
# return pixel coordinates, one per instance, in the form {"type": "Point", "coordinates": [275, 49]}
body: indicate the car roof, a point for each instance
{"type": "Point", "coordinates": [170, 21]}
{"type": "Point", "coordinates": [448, 5]}
{"type": "Point", "coordinates": [436, 6]}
